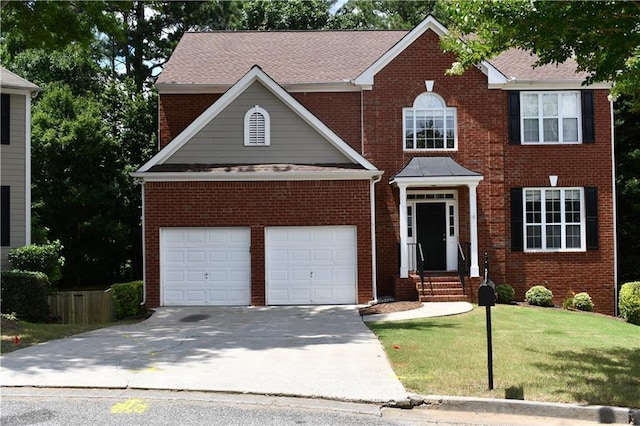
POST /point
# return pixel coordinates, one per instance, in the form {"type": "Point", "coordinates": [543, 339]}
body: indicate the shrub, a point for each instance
{"type": "Point", "coordinates": [629, 302]}
{"type": "Point", "coordinates": [582, 301]}
{"type": "Point", "coordinates": [127, 298]}
{"type": "Point", "coordinates": [25, 293]}
{"type": "Point", "coordinates": [39, 258]}
{"type": "Point", "coordinates": [539, 295]}
{"type": "Point", "coordinates": [505, 293]}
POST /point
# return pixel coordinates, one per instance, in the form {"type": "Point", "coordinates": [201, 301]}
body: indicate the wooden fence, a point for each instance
{"type": "Point", "coordinates": [83, 307]}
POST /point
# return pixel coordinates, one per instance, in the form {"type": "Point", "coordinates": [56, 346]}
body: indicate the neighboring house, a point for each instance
{"type": "Point", "coordinates": [305, 168]}
{"type": "Point", "coordinates": [15, 158]}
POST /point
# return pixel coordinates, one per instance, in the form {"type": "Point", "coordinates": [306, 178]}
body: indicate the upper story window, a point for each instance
{"type": "Point", "coordinates": [257, 127]}
{"type": "Point", "coordinates": [554, 117]}
{"type": "Point", "coordinates": [551, 117]}
{"type": "Point", "coordinates": [429, 124]}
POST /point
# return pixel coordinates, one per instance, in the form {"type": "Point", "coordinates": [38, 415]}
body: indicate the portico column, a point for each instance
{"type": "Point", "coordinates": [404, 250]}
{"type": "Point", "coordinates": [473, 229]}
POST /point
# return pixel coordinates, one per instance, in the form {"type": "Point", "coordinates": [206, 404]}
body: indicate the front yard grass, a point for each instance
{"type": "Point", "coordinates": [539, 354]}
{"type": "Point", "coordinates": [32, 333]}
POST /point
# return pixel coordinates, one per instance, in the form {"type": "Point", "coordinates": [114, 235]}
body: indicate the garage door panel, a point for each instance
{"type": "Point", "coordinates": [206, 266]}
{"type": "Point", "coordinates": [311, 265]}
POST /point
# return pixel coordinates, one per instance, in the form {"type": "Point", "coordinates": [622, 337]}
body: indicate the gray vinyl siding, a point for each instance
{"type": "Point", "coordinates": [12, 174]}
{"type": "Point", "coordinates": [293, 141]}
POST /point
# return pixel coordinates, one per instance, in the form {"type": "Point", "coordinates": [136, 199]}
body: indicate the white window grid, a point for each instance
{"type": "Point", "coordinates": [554, 219]}
{"type": "Point", "coordinates": [551, 117]}
{"type": "Point", "coordinates": [429, 125]}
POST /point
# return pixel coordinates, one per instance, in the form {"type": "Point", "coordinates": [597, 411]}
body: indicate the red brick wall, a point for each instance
{"type": "Point", "coordinates": [339, 111]}
{"type": "Point", "coordinates": [176, 112]}
{"type": "Point", "coordinates": [257, 205]}
{"type": "Point", "coordinates": [481, 135]}
{"type": "Point", "coordinates": [580, 166]}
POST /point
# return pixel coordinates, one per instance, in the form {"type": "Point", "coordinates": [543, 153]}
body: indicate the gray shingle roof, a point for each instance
{"type": "Point", "coordinates": [434, 167]}
{"type": "Point", "coordinates": [311, 57]}
{"type": "Point", "coordinates": [10, 80]}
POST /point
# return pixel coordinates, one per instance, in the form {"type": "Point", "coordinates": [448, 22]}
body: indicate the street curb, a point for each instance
{"type": "Point", "coordinates": [593, 413]}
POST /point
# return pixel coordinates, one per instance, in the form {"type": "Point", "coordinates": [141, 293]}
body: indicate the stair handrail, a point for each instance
{"type": "Point", "coordinates": [462, 268]}
{"type": "Point", "coordinates": [421, 271]}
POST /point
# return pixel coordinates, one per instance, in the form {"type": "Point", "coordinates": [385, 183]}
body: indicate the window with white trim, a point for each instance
{"type": "Point", "coordinates": [554, 219]}
{"type": "Point", "coordinates": [429, 124]}
{"type": "Point", "coordinates": [257, 127]}
{"type": "Point", "coordinates": [551, 117]}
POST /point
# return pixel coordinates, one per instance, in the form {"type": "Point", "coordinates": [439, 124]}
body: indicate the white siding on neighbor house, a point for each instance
{"type": "Point", "coordinates": [12, 174]}
{"type": "Point", "coordinates": [293, 141]}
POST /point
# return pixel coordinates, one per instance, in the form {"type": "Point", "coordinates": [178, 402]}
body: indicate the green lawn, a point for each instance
{"type": "Point", "coordinates": [539, 354]}
{"type": "Point", "coordinates": [32, 333]}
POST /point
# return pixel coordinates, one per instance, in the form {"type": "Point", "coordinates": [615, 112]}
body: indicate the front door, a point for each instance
{"type": "Point", "coordinates": [431, 225]}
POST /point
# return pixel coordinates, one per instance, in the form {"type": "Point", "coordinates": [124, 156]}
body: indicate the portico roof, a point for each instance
{"type": "Point", "coordinates": [434, 171]}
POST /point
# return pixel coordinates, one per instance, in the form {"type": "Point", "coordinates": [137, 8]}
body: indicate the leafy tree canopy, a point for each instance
{"type": "Point", "coordinates": [285, 14]}
{"type": "Point", "coordinates": [382, 14]}
{"type": "Point", "coordinates": [603, 37]}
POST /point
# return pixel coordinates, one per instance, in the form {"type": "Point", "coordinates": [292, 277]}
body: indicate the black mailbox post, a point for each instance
{"type": "Point", "coordinates": [487, 298]}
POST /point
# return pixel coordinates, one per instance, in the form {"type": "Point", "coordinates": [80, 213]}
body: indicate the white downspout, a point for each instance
{"type": "Point", "coordinates": [144, 253]}
{"type": "Point", "coordinates": [374, 267]}
{"type": "Point", "coordinates": [615, 213]}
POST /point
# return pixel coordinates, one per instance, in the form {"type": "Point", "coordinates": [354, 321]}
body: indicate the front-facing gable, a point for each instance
{"type": "Point", "coordinates": [215, 138]}
{"type": "Point", "coordinates": [292, 140]}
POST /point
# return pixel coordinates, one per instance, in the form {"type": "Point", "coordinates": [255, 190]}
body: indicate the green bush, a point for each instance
{"type": "Point", "coordinates": [39, 258]}
{"type": "Point", "coordinates": [629, 302]}
{"type": "Point", "coordinates": [505, 293]}
{"type": "Point", "coordinates": [25, 293]}
{"type": "Point", "coordinates": [539, 295]}
{"type": "Point", "coordinates": [582, 302]}
{"type": "Point", "coordinates": [127, 298]}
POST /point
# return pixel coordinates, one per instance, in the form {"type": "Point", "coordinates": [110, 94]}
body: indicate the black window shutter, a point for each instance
{"type": "Point", "coordinates": [591, 209]}
{"type": "Point", "coordinates": [588, 121]}
{"type": "Point", "coordinates": [517, 223]}
{"type": "Point", "coordinates": [5, 108]}
{"type": "Point", "coordinates": [513, 105]}
{"type": "Point", "coordinates": [5, 225]}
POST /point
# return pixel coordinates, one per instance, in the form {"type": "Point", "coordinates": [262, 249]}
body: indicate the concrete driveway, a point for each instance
{"type": "Point", "coordinates": [323, 351]}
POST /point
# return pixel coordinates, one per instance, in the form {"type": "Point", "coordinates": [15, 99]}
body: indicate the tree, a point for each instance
{"type": "Point", "coordinates": [47, 24]}
{"type": "Point", "coordinates": [285, 14]}
{"type": "Point", "coordinates": [382, 14]}
{"type": "Point", "coordinates": [601, 36]}
{"type": "Point", "coordinates": [146, 32]}
{"type": "Point", "coordinates": [628, 190]}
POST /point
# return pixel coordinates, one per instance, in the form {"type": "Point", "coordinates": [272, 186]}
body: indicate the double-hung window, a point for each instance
{"type": "Point", "coordinates": [551, 117]}
{"type": "Point", "coordinates": [429, 124]}
{"type": "Point", "coordinates": [554, 219]}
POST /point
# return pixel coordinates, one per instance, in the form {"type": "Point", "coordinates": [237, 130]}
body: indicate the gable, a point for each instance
{"type": "Point", "coordinates": [293, 141]}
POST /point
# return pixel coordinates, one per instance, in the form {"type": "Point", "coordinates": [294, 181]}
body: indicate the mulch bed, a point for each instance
{"type": "Point", "coordinates": [389, 307]}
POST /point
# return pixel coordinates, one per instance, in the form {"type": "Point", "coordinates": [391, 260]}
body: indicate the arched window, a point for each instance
{"type": "Point", "coordinates": [429, 124]}
{"type": "Point", "coordinates": [257, 127]}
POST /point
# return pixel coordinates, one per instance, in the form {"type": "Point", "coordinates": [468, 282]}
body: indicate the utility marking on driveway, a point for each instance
{"type": "Point", "coordinates": [137, 406]}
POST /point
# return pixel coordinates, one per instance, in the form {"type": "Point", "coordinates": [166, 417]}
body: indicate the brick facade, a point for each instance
{"type": "Point", "coordinates": [257, 205]}
{"type": "Point", "coordinates": [371, 122]}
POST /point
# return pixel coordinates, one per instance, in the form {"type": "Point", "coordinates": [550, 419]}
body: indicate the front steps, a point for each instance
{"type": "Point", "coordinates": [444, 287]}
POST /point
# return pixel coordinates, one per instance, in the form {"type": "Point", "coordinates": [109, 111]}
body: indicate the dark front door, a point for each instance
{"type": "Point", "coordinates": [432, 234]}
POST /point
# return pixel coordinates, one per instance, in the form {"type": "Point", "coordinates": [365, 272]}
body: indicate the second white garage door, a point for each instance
{"type": "Point", "coordinates": [311, 265]}
{"type": "Point", "coordinates": [205, 266]}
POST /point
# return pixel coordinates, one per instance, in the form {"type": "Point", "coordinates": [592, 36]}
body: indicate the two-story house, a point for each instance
{"type": "Point", "coordinates": [15, 158]}
{"type": "Point", "coordinates": [316, 167]}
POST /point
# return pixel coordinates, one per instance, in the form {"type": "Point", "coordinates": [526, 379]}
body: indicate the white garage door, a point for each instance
{"type": "Point", "coordinates": [311, 265]}
{"type": "Point", "coordinates": [205, 266]}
